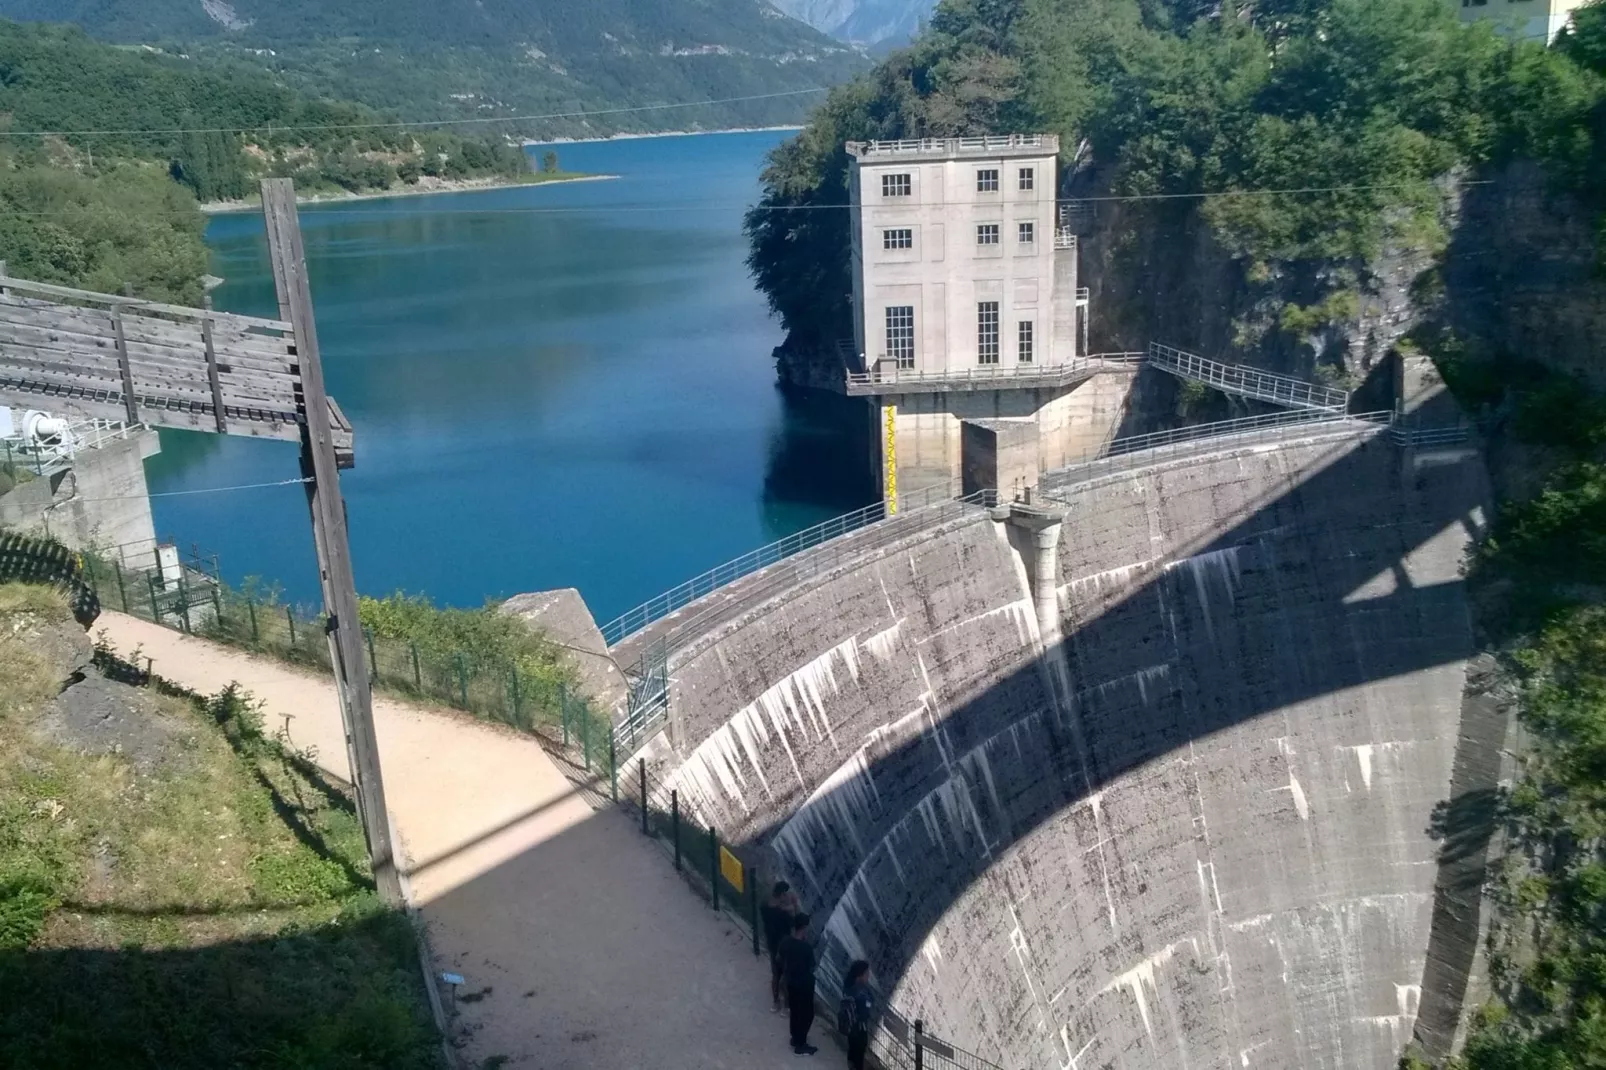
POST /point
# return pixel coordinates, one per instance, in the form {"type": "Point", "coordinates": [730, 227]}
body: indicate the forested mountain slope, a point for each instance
{"type": "Point", "coordinates": [112, 202]}
{"type": "Point", "coordinates": [436, 59]}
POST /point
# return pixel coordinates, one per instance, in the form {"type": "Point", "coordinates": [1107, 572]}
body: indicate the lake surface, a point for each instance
{"type": "Point", "coordinates": [560, 386]}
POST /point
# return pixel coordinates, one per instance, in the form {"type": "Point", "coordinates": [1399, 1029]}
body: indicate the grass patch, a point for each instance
{"type": "Point", "coordinates": [213, 911]}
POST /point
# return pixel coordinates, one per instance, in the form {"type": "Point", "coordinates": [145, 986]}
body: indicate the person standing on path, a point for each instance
{"type": "Point", "coordinates": [797, 966]}
{"type": "Point", "coordinates": [854, 1015]}
{"type": "Point", "coordinates": [777, 916]}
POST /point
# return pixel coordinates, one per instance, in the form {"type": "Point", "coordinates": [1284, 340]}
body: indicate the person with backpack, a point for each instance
{"type": "Point", "coordinates": [797, 968]}
{"type": "Point", "coordinates": [853, 1012]}
{"type": "Point", "coordinates": [777, 916]}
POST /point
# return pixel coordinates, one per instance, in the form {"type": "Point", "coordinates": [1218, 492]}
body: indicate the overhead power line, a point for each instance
{"type": "Point", "coordinates": [410, 124]}
{"type": "Point", "coordinates": [323, 209]}
{"type": "Point", "coordinates": [185, 493]}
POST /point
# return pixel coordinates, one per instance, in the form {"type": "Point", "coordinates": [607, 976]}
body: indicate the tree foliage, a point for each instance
{"type": "Point", "coordinates": [219, 126]}
{"type": "Point", "coordinates": [1364, 106]}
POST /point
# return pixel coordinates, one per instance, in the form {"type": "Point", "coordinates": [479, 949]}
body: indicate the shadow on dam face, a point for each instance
{"type": "Point", "coordinates": [1193, 829]}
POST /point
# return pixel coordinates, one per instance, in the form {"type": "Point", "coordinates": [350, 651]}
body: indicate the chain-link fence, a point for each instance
{"type": "Point", "coordinates": [184, 590]}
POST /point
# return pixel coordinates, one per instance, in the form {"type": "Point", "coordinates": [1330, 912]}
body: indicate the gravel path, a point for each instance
{"type": "Point", "coordinates": [578, 945]}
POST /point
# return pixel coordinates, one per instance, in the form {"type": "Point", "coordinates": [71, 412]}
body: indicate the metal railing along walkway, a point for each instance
{"type": "Point", "coordinates": [44, 458]}
{"type": "Point", "coordinates": [988, 376]}
{"type": "Point", "coordinates": [648, 676]}
{"type": "Point", "coordinates": [1138, 451]}
{"type": "Point", "coordinates": [1248, 382]}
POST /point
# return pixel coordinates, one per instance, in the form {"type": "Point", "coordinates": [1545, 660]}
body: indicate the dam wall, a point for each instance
{"type": "Point", "coordinates": [1173, 811]}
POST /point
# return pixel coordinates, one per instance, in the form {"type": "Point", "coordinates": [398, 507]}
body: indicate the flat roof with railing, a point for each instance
{"type": "Point", "coordinates": [942, 148]}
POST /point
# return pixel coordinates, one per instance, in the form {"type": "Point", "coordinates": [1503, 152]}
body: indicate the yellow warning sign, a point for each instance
{"type": "Point", "coordinates": [731, 867]}
{"type": "Point", "coordinates": [889, 457]}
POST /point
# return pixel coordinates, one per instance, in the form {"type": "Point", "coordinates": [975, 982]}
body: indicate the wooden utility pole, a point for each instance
{"type": "Point", "coordinates": [321, 469]}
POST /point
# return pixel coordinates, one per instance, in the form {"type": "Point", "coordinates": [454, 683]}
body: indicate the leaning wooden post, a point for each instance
{"type": "Point", "coordinates": [320, 468]}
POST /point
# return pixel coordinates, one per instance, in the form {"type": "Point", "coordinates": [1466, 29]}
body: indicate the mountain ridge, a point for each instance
{"type": "Point", "coordinates": [876, 24]}
{"type": "Point", "coordinates": [487, 59]}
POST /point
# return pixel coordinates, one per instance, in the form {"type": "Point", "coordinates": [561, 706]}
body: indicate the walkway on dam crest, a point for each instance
{"type": "Point", "coordinates": [584, 949]}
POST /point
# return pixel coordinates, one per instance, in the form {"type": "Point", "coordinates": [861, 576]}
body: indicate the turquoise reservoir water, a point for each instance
{"type": "Point", "coordinates": [563, 386]}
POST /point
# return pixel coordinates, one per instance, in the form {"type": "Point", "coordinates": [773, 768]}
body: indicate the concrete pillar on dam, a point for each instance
{"type": "Point", "coordinates": [1055, 426]}
{"type": "Point", "coordinates": [1211, 850]}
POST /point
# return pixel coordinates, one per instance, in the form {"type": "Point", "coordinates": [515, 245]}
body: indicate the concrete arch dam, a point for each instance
{"type": "Point", "coordinates": [1146, 785]}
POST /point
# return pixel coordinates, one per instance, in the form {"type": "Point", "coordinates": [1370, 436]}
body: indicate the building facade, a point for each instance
{"type": "Point", "coordinates": [969, 325]}
{"type": "Point", "coordinates": [1529, 20]}
{"type": "Point", "coordinates": [957, 261]}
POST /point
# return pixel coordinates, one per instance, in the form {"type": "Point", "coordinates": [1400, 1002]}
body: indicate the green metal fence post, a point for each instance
{"type": "Point", "coordinates": [920, 1044]}
{"type": "Point", "coordinates": [613, 769]}
{"type": "Point", "coordinates": [289, 615]}
{"type": "Point", "coordinates": [89, 567]}
{"type": "Point", "coordinates": [752, 900]}
{"type": "Point", "coordinates": [156, 610]}
{"type": "Point", "coordinates": [674, 824]}
{"type": "Point", "coordinates": [563, 711]}
{"type": "Point", "coordinates": [184, 603]}
{"type": "Point", "coordinates": [217, 604]}
{"type": "Point", "coordinates": [585, 737]}
{"type": "Point", "coordinates": [462, 678]}
{"type": "Point", "coordinates": [373, 659]}
{"type": "Point", "coordinates": [122, 588]}
{"type": "Point", "coordinates": [713, 866]}
{"type": "Point", "coordinates": [418, 676]}
{"type": "Point", "coordinates": [251, 607]}
{"type": "Point", "coordinates": [641, 774]}
{"type": "Point", "coordinates": [518, 699]}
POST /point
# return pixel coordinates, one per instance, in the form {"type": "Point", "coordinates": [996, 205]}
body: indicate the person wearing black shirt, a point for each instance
{"type": "Point", "coordinates": [777, 917]}
{"type": "Point", "coordinates": [797, 970]}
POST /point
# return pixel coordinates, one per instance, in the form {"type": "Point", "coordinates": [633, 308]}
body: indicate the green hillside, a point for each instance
{"type": "Point", "coordinates": [440, 59]}
{"type": "Point", "coordinates": [105, 210]}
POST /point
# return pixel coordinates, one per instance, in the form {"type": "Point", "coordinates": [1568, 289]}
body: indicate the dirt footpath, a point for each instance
{"type": "Point", "coordinates": [579, 946]}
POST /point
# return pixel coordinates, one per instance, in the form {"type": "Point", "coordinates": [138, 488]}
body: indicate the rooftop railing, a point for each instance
{"type": "Point", "coordinates": [954, 145]}
{"type": "Point", "coordinates": [1064, 238]}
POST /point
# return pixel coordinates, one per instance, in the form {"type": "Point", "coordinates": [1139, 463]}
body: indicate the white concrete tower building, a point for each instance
{"type": "Point", "coordinates": [966, 307]}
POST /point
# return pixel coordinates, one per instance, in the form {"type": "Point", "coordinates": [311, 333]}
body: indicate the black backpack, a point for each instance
{"type": "Point", "coordinates": [847, 1014]}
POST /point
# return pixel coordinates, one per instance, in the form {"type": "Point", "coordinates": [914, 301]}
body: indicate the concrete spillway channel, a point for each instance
{"type": "Point", "coordinates": [1141, 777]}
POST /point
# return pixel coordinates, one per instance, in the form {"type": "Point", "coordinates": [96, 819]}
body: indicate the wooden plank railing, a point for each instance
{"type": "Point", "coordinates": [101, 356]}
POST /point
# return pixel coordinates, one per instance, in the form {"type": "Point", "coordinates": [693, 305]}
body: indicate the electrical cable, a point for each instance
{"type": "Point", "coordinates": [409, 124]}
{"type": "Point", "coordinates": [182, 493]}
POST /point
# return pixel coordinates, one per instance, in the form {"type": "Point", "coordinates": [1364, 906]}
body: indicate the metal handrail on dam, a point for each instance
{"type": "Point", "coordinates": [648, 676]}
{"type": "Point", "coordinates": [1121, 453]}
{"type": "Point", "coordinates": [676, 598]}
{"type": "Point", "coordinates": [649, 680]}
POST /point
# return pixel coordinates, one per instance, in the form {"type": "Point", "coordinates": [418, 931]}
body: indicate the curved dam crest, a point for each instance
{"type": "Point", "coordinates": [1142, 780]}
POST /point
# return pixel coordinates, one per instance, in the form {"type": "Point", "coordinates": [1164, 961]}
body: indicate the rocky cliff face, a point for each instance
{"type": "Point", "coordinates": [1520, 275]}
{"type": "Point", "coordinates": [1525, 273]}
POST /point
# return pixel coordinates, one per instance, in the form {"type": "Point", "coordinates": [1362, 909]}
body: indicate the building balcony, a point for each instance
{"type": "Point", "coordinates": [885, 378]}
{"type": "Point", "coordinates": [1064, 238]}
{"type": "Point", "coordinates": [957, 147]}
